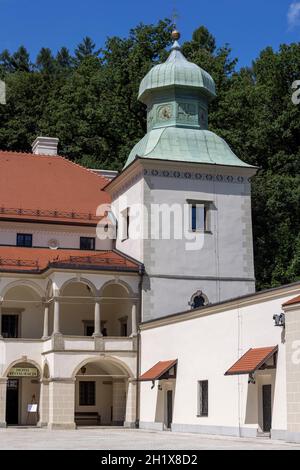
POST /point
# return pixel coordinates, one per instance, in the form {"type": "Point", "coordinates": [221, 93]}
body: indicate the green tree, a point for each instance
{"type": "Point", "coordinates": [89, 100]}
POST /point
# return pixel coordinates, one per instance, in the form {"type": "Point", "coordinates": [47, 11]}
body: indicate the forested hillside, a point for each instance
{"type": "Point", "coordinates": [88, 98]}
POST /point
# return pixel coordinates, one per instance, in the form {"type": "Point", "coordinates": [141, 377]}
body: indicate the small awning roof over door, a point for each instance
{"type": "Point", "coordinates": [157, 371]}
{"type": "Point", "coordinates": [252, 361]}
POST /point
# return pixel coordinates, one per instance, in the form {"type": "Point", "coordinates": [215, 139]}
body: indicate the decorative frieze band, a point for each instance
{"type": "Point", "coordinates": [178, 174]}
{"type": "Point", "coordinates": [198, 176]}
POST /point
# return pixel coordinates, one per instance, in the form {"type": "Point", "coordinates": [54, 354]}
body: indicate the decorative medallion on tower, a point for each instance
{"type": "Point", "coordinates": [164, 112]}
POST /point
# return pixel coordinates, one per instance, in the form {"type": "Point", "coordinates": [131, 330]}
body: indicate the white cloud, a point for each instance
{"type": "Point", "coordinates": [294, 15]}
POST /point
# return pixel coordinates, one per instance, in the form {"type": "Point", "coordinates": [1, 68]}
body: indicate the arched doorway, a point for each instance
{"type": "Point", "coordinates": [22, 395]}
{"type": "Point", "coordinates": [101, 391]}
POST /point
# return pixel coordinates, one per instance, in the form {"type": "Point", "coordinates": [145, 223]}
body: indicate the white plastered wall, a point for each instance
{"type": "Point", "coordinates": [67, 236]}
{"type": "Point", "coordinates": [206, 347]}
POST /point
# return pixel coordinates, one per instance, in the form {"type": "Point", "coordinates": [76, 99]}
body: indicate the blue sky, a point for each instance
{"type": "Point", "coordinates": [248, 26]}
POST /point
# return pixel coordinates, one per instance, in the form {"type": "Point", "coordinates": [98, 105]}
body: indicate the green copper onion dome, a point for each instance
{"type": "Point", "coordinates": [177, 94]}
{"type": "Point", "coordinates": [177, 71]}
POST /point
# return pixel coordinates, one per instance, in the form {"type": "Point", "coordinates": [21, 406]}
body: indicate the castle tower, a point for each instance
{"type": "Point", "coordinates": [179, 163]}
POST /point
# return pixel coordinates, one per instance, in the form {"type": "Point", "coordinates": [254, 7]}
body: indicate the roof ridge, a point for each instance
{"type": "Point", "coordinates": [68, 161]}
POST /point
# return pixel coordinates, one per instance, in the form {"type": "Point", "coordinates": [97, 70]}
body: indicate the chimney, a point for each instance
{"type": "Point", "coordinates": [45, 146]}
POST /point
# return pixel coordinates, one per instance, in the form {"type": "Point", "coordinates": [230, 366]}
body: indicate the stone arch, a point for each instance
{"type": "Point", "coordinates": [80, 280]}
{"type": "Point", "coordinates": [117, 282]}
{"type": "Point", "coordinates": [23, 360]}
{"type": "Point", "coordinates": [94, 359]}
{"type": "Point", "coordinates": [107, 396]}
{"type": "Point", "coordinates": [23, 283]}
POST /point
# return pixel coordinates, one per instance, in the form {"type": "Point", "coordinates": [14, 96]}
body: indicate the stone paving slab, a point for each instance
{"type": "Point", "coordinates": [124, 439]}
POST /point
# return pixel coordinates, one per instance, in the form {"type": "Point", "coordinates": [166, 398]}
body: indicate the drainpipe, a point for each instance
{"type": "Point", "coordinates": [239, 318]}
{"type": "Point", "coordinates": [138, 360]}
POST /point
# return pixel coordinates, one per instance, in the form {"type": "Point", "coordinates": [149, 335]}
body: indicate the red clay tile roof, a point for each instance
{"type": "Point", "coordinates": [36, 260]}
{"type": "Point", "coordinates": [158, 370]}
{"type": "Point", "coordinates": [252, 361]}
{"type": "Point", "coordinates": [295, 300]}
{"type": "Point", "coordinates": [49, 188]}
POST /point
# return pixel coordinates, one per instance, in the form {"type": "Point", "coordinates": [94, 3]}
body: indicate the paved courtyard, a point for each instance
{"type": "Point", "coordinates": [112, 439]}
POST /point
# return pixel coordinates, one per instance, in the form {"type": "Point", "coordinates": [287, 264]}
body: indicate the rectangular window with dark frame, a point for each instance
{"type": "Point", "coordinates": [87, 243]}
{"type": "Point", "coordinates": [24, 239]}
{"type": "Point", "coordinates": [199, 212]}
{"type": "Point", "coordinates": [202, 398]}
{"type": "Point", "coordinates": [125, 224]}
{"type": "Point", "coordinates": [87, 393]}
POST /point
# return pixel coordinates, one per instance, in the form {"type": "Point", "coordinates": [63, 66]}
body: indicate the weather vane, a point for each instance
{"type": "Point", "coordinates": [175, 16]}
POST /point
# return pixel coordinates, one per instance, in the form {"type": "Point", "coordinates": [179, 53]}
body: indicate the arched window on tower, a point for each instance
{"type": "Point", "coordinates": [198, 300]}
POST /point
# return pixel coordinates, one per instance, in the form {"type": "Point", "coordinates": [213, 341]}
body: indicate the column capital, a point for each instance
{"type": "Point", "coordinates": [65, 380]}
{"type": "Point", "coordinates": [45, 381]}
{"type": "Point", "coordinates": [132, 381]}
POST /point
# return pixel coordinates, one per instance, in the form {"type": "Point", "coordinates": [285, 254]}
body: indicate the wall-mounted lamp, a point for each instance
{"type": "Point", "coordinates": [251, 379]}
{"type": "Point", "coordinates": [83, 370]}
{"type": "Point", "coordinates": [279, 320]}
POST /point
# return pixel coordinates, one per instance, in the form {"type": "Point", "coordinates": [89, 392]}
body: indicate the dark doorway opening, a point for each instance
{"type": "Point", "coordinates": [169, 408]}
{"type": "Point", "coordinates": [267, 408]}
{"type": "Point", "coordinates": [12, 402]}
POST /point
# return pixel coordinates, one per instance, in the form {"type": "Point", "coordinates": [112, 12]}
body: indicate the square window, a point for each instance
{"type": "Point", "coordinates": [87, 243]}
{"type": "Point", "coordinates": [24, 239]}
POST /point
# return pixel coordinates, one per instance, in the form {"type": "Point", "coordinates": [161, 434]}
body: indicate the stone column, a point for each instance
{"type": "Point", "coordinates": [131, 417]}
{"type": "Point", "coordinates": [44, 404]}
{"type": "Point", "coordinates": [46, 321]}
{"type": "Point", "coordinates": [97, 320]}
{"type": "Point", "coordinates": [56, 327]}
{"type": "Point", "coordinates": [292, 336]}
{"type": "Point", "coordinates": [119, 402]}
{"type": "Point", "coordinates": [134, 319]}
{"type": "Point", "coordinates": [61, 403]}
{"type": "Point", "coordinates": [3, 388]}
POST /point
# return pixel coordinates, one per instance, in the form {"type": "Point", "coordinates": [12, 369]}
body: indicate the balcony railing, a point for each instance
{"type": "Point", "coordinates": [10, 262]}
{"type": "Point", "coordinates": [33, 347]}
{"type": "Point", "coordinates": [48, 214]}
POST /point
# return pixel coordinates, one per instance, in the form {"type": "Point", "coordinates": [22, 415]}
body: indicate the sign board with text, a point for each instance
{"type": "Point", "coordinates": [23, 372]}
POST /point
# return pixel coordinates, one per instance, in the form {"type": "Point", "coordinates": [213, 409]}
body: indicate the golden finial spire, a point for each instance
{"type": "Point", "coordinates": [175, 33]}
